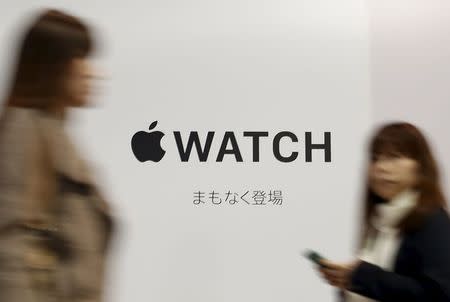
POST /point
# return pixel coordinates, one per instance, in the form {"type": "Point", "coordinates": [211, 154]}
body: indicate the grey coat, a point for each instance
{"type": "Point", "coordinates": [55, 225]}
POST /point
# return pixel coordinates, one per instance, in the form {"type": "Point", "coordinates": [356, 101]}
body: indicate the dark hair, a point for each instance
{"type": "Point", "coordinates": [405, 139]}
{"type": "Point", "coordinates": [46, 50]}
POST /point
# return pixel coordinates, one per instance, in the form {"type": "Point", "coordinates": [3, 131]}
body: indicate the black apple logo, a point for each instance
{"type": "Point", "coordinates": [147, 145]}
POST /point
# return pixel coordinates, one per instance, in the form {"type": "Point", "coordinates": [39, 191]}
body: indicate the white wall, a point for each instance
{"type": "Point", "coordinates": [410, 74]}
{"type": "Point", "coordinates": [224, 65]}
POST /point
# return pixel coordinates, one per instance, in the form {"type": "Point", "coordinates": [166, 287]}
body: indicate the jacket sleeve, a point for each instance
{"type": "Point", "coordinates": [431, 284]}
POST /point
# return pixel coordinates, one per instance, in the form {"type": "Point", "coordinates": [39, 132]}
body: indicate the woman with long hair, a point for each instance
{"type": "Point", "coordinates": [404, 253]}
{"type": "Point", "coordinates": [55, 225]}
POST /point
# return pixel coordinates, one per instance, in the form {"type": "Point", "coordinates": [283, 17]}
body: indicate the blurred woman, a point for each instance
{"type": "Point", "coordinates": [405, 250]}
{"type": "Point", "coordinates": [54, 223]}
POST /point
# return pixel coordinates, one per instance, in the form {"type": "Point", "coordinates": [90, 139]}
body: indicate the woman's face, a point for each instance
{"type": "Point", "coordinates": [390, 174]}
{"type": "Point", "coordinates": [79, 82]}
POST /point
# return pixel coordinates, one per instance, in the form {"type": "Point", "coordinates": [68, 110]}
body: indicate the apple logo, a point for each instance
{"type": "Point", "coordinates": [147, 145]}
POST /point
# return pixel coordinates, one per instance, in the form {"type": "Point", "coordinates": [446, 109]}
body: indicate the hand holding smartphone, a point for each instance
{"type": "Point", "coordinates": [315, 257]}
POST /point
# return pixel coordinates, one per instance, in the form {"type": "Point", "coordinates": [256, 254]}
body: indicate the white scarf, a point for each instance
{"type": "Point", "coordinates": [381, 249]}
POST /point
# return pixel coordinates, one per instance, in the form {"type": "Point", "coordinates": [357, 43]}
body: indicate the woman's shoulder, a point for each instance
{"type": "Point", "coordinates": [27, 133]}
{"type": "Point", "coordinates": [16, 127]}
{"type": "Point", "coordinates": [435, 225]}
{"type": "Point", "coordinates": [438, 217]}
{"type": "Point", "coordinates": [431, 241]}
{"type": "Point", "coordinates": [11, 115]}
{"type": "Point", "coordinates": [21, 121]}
{"type": "Point", "coordinates": [25, 130]}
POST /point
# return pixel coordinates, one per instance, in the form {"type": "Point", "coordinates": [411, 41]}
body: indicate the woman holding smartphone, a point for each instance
{"type": "Point", "coordinates": [405, 247]}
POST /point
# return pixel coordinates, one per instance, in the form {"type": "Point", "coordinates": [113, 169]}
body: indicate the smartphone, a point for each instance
{"type": "Point", "coordinates": [314, 257]}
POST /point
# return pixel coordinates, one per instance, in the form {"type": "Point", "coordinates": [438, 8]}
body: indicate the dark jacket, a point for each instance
{"type": "Point", "coordinates": [421, 271]}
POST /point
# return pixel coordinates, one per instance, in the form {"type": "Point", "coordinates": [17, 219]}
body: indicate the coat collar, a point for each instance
{"type": "Point", "coordinates": [389, 214]}
{"type": "Point", "coordinates": [64, 155]}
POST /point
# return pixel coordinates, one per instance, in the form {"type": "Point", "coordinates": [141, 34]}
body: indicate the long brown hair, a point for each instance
{"type": "Point", "coordinates": [406, 139]}
{"type": "Point", "coordinates": [47, 48]}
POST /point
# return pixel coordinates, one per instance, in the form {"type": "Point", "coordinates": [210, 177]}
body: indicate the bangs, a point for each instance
{"type": "Point", "coordinates": [48, 45]}
{"type": "Point", "coordinates": [60, 36]}
{"type": "Point", "coordinates": [392, 141]}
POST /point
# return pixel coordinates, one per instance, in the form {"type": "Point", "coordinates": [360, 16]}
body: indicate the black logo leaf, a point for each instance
{"type": "Point", "coordinates": [153, 125]}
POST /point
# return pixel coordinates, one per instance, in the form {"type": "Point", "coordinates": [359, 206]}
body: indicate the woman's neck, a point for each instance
{"type": "Point", "coordinates": [59, 112]}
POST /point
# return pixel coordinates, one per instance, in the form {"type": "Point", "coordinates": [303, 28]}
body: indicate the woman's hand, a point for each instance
{"type": "Point", "coordinates": [338, 275]}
